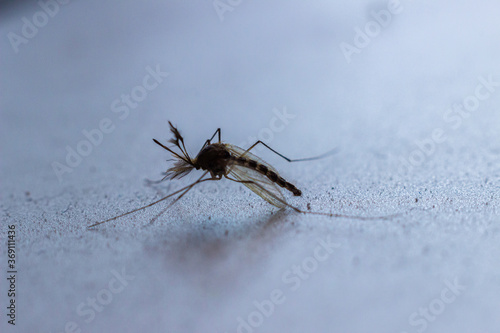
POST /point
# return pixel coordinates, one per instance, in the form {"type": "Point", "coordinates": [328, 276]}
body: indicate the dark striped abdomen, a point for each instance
{"type": "Point", "coordinates": [273, 176]}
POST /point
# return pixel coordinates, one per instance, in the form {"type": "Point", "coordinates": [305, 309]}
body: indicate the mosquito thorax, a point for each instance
{"type": "Point", "coordinates": [214, 158]}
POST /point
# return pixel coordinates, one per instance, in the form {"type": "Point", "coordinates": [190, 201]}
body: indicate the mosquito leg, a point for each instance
{"type": "Point", "coordinates": [157, 216]}
{"type": "Point", "coordinates": [288, 159]}
{"type": "Point", "coordinates": [185, 189]}
{"type": "Point", "coordinates": [216, 132]}
{"type": "Point", "coordinates": [177, 199]}
{"type": "Point", "coordinates": [354, 217]}
{"type": "Point", "coordinates": [210, 140]}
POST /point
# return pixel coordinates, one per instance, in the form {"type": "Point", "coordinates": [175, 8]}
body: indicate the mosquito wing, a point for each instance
{"type": "Point", "coordinates": [259, 184]}
{"type": "Point", "coordinates": [255, 181]}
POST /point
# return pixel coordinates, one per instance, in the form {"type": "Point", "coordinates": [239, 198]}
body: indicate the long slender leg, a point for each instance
{"type": "Point", "coordinates": [177, 199]}
{"type": "Point", "coordinates": [362, 218]}
{"type": "Point", "coordinates": [210, 140]}
{"type": "Point", "coordinates": [213, 136]}
{"type": "Point", "coordinates": [288, 159]}
{"type": "Point", "coordinates": [191, 186]}
{"type": "Point", "coordinates": [185, 189]}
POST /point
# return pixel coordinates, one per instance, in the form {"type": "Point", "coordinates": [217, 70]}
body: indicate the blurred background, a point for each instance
{"type": "Point", "coordinates": [408, 91]}
{"type": "Point", "coordinates": [230, 66]}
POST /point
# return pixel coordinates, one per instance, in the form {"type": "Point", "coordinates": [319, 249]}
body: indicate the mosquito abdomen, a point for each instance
{"type": "Point", "coordinates": [273, 176]}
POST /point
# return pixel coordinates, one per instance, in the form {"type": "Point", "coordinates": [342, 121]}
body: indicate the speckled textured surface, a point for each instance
{"type": "Point", "coordinates": [222, 259]}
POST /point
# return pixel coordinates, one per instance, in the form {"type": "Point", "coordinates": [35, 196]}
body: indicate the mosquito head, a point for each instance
{"type": "Point", "coordinates": [183, 162]}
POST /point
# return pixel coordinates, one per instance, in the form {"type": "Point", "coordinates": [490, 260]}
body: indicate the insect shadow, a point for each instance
{"type": "Point", "coordinates": [219, 160]}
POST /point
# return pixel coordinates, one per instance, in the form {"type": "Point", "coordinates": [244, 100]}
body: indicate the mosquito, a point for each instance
{"type": "Point", "coordinates": [219, 160]}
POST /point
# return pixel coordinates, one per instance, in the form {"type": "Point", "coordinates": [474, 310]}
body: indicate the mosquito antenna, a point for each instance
{"type": "Point", "coordinates": [183, 148]}
{"type": "Point", "coordinates": [170, 150]}
{"type": "Point", "coordinates": [178, 137]}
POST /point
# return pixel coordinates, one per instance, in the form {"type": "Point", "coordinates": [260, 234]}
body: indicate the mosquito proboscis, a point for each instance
{"type": "Point", "coordinates": [219, 160]}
